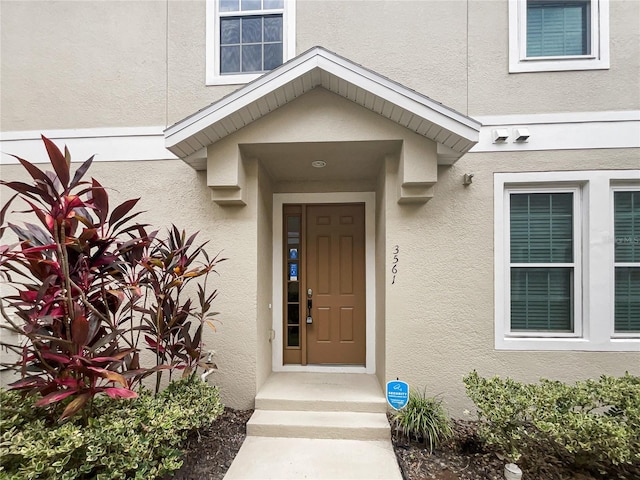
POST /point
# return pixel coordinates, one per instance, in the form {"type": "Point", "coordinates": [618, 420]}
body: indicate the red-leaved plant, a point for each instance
{"type": "Point", "coordinates": [88, 283]}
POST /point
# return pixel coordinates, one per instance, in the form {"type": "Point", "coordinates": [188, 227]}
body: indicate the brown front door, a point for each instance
{"type": "Point", "coordinates": [335, 274]}
{"type": "Point", "coordinates": [324, 288]}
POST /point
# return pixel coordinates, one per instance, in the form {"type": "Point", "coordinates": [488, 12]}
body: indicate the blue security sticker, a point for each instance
{"type": "Point", "coordinates": [293, 253]}
{"type": "Point", "coordinates": [397, 394]}
{"type": "Point", "coordinates": [293, 271]}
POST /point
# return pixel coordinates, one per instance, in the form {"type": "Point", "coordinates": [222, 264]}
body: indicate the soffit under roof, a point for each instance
{"type": "Point", "coordinates": [318, 67]}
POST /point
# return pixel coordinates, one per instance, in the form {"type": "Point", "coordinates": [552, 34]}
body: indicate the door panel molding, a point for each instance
{"type": "Point", "coordinates": [336, 273]}
{"type": "Point", "coordinates": [280, 199]}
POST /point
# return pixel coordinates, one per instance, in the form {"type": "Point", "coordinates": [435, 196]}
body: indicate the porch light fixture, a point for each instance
{"type": "Point", "coordinates": [319, 164]}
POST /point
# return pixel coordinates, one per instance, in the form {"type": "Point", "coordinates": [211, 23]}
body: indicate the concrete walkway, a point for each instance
{"type": "Point", "coordinates": [277, 458]}
{"type": "Point", "coordinates": [317, 426]}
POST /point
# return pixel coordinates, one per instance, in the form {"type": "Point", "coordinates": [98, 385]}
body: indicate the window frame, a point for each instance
{"type": "Point", "coordinates": [597, 59]}
{"type": "Point", "coordinates": [619, 187]}
{"type": "Point", "coordinates": [576, 264]}
{"type": "Point", "coordinates": [596, 231]}
{"type": "Point", "coordinates": [213, 15]}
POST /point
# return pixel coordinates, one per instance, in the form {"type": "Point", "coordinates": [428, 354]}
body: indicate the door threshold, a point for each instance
{"type": "Point", "coordinates": [322, 368]}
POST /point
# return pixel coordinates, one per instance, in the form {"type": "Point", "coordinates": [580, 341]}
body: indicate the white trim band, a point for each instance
{"type": "Point", "coordinates": [548, 131]}
{"type": "Point", "coordinates": [107, 144]}
{"type": "Point", "coordinates": [562, 131]}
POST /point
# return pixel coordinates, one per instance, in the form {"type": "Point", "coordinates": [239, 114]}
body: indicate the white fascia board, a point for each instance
{"type": "Point", "coordinates": [317, 57]}
{"type": "Point", "coordinates": [107, 144]}
{"type": "Point", "coordinates": [239, 99]}
{"type": "Point", "coordinates": [401, 96]}
{"type": "Point", "coordinates": [564, 117]}
{"type": "Point", "coordinates": [563, 131]}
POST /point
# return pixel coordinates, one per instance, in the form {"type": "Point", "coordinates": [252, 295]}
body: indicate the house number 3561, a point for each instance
{"type": "Point", "coordinates": [394, 263]}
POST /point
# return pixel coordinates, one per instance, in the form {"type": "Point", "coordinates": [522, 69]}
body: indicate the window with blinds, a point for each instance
{"type": "Point", "coordinates": [626, 206]}
{"type": "Point", "coordinates": [558, 28]}
{"type": "Point", "coordinates": [558, 35]}
{"type": "Point", "coordinates": [542, 262]}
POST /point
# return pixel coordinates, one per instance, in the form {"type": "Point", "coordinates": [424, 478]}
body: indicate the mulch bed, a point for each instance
{"type": "Point", "coordinates": [209, 453]}
{"type": "Point", "coordinates": [466, 458]}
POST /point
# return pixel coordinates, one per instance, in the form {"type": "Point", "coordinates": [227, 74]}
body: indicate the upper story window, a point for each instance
{"type": "Point", "coordinates": [555, 35]}
{"type": "Point", "coordinates": [246, 38]}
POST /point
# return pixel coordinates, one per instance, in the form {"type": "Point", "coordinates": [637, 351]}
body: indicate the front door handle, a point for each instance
{"type": "Point", "coordinates": [309, 306]}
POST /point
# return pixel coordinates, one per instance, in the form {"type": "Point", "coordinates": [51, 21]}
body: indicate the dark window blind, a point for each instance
{"type": "Point", "coordinates": [541, 234]}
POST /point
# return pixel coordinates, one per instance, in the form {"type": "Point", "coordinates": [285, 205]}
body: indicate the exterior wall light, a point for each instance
{"type": "Point", "coordinates": [521, 135]}
{"type": "Point", "coordinates": [499, 135]}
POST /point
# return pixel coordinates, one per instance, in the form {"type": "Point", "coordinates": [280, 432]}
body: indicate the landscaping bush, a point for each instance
{"type": "Point", "coordinates": [424, 419]}
{"type": "Point", "coordinates": [123, 439]}
{"type": "Point", "coordinates": [593, 424]}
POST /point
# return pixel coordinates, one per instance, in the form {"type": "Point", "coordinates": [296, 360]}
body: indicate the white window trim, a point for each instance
{"type": "Point", "coordinates": [597, 256]}
{"type": "Point", "coordinates": [576, 264]}
{"type": "Point", "coordinates": [212, 68]}
{"type": "Point", "coordinates": [369, 200]}
{"type": "Point", "coordinates": [597, 60]}
{"type": "Point", "coordinates": [618, 188]}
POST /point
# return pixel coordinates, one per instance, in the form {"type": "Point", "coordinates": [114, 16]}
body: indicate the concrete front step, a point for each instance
{"type": "Point", "coordinates": [327, 392]}
{"type": "Point", "coordinates": [322, 426]}
{"type": "Point", "coordinates": [316, 424]}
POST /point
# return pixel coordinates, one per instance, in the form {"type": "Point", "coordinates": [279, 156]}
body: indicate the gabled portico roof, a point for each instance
{"type": "Point", "coordinates": [318, 67]}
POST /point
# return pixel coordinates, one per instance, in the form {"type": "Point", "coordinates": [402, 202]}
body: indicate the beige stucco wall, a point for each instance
{"type": "Point", "coordinates": [121, 64]}
{"type": "Point", "coordinates": [68, 64]}
{"type": "Point", "coordinates": [264, 272]}
{"type": "Point", "coordinates": [382, 194]}
{"type": "Point", "coordinates": [440, 312]}
{"type": "Point", "coordinates": [493, 91]}
{"type": "Point", "coordinates": [82, 64]}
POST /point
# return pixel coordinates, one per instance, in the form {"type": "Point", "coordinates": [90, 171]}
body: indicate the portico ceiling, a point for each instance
{"type": "Point", "coordinates": [454, 132]}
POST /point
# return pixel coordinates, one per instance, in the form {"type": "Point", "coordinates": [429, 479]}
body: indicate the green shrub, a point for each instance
{"type": "Point", "coordinates": [123, 439]}
{"type": "Point", "coordinates": [425, 419]}
{"type": "Point", "coordinates": [593, 424]}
